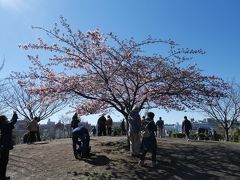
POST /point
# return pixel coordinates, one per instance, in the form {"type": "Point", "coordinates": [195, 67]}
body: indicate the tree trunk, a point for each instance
{"type": "Point", "coordinates": [127, 134]}
{"type": "Point", "coordinates": [226, 134]}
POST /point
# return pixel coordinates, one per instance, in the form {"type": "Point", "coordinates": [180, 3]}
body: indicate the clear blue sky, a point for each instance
{"type": "Point", "coordinates": [211, 25]}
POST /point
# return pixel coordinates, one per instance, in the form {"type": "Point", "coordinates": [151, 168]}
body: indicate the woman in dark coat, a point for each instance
{"type": "Point", "coordinates": [149, 143]}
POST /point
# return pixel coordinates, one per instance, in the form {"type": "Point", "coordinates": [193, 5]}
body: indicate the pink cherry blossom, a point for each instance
{"type": "Point", "coordinates": [99, 71]}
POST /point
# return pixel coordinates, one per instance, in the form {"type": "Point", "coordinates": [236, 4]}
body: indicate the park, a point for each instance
{"type": "Point", "coordinates": [71, 63]}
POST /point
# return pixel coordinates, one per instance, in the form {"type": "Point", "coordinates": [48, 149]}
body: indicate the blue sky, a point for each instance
{"type": "Point", "coordinates": [211, 25]}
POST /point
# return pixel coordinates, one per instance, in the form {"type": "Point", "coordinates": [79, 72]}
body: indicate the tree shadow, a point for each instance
{"type": "Point", "coordinates": [183, 161]}
{"type": "Point", "coordinates": [116, 145]}
{"type": "Point", "coordinates": [97, 160]}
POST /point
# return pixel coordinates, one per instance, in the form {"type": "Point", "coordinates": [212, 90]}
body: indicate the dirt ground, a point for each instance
{"type": "Point", "coordinates": [177, 159]}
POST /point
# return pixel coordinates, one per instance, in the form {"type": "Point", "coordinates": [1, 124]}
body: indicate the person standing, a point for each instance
{"type": "Point", "coordinates": [75, 121]}
{"type": "Point", "coordinates": [33, 129]}
{"type": "Point", "coordinates": [80, 137]}
{"type": "Point", "coordinates": [6, 143]}
{"type": "Point", "coordinates": [109, 123]}
{"type": "Point", "coordinates": [186, 127]}
{"type": "Point", "coordinates": [160, 127]}
{"type": "Point", "coordinates": [149, 143]}
{"type": "Point", "coordinates": [134, 120]}
{"type": "Point", "coordinates": [143, 121]}
{"type": "Point", "coordinates": [123, 128]}
{"type": "Point", "coordinates": [101, 125]}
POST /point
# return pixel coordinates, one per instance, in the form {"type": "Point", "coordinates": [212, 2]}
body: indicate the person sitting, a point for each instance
{"type": "Point", "coordinates": [80, 138]}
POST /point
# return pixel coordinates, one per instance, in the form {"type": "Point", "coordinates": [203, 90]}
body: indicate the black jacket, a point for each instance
{"type": "Point", "coordinates": [186, 125]}
{"type": "Point", "coordinates": [6, 128]}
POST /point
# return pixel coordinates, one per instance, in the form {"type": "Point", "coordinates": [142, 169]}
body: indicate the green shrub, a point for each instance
{"type": "Point", "coordinates": [236, 135]}
{"type": "Point", "coordinates": [201, 136]}
{"type": "Point", "coordinates": [178, 135]}
{"type": "Point", "coordinates": [194, 136]}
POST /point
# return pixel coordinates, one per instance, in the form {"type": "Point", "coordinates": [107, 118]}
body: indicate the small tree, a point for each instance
{"type": "Point", "coordinates": [225, 110]}
{"type": "Point", "coordinates": [3, 107]}
{"type": "Point", "coordinates": [26, 104]}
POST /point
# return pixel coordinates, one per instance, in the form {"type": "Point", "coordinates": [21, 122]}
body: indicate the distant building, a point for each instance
{"type": "Point", "coordinates": [173, 127]}
{"type": "Point", "coordinates": [50, 123]}
{"type": "Point", "coordinates": [208, 123]}
{"type": "Point", "coordinates": [47, 131]}
{"type": "Point", "coordinates": [86, 125]}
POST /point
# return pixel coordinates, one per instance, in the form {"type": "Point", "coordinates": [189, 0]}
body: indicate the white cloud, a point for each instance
{"type": "Point", "coordinates": [14, 5]}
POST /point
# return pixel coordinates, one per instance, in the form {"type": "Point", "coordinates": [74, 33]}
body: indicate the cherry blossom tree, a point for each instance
{"type": "Point", "coordinates": [225, 110]}
{"type": "Point", "coordinates": [100, 72]}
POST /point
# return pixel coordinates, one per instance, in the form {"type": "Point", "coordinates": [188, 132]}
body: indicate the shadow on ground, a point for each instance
{"type": "Point", "coordinates": [184, 161]}
{"type": "Point", "coordinates": [97, 160]}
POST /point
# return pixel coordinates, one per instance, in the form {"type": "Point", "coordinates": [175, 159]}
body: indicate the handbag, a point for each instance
{"type": "Point", "coordinates": [145, 133]}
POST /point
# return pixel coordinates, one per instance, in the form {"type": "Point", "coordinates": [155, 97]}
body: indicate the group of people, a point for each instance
{"type": "Point", "coordinates": [81, 136]}
{"type": "Point", "coordinates": [104, 125]}
{"type": "Point", "coordinates": [148, 143]}
{"type": "Point", "coordinates": [142, 134]}
{"type": "Point", "coordinates": [139, 146]}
